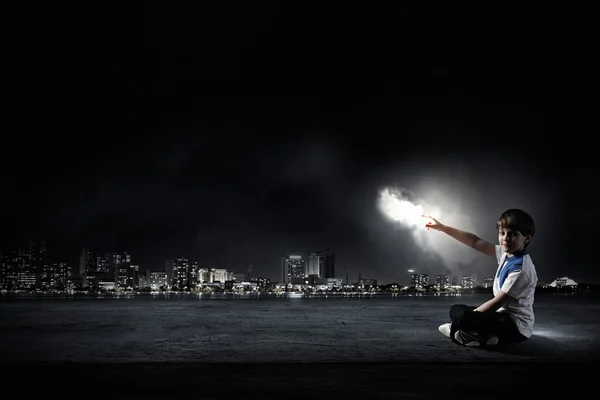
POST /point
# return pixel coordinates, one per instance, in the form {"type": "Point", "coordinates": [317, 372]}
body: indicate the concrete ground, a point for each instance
{"type": "Point", "coordinates": [353, 345]}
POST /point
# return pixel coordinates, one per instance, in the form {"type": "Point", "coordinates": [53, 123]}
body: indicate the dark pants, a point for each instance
{"type": "Point", "coordinates": [484, 323]}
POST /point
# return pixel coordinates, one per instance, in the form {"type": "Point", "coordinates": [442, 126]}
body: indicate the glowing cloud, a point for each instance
{"type": "Point", "coordinates": [409, 214]}
{"type": "Point", "coordinates": [399, 209]}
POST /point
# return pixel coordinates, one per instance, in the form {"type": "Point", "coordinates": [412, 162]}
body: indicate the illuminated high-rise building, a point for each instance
{"type": "Point", "coordinates": [56, 276]}
{"type": "Point", "coordinates": [321, 264]}
{"type": "Point", "coordinates": [182, 272]}
{"type": "Point", "coordinates": [127, 276]}
{"type": "Point", "coordinates": [213, 275]}
{"type": "Point", "coordinates": [442, 282]}
{"type": "Point", "coordinates": [487, 282]}
{"type": "Point", "coordinates": [24, 266]}
{"type": "Point", "coordinates": [292, 270]}
{"type": "Point", "coordinates": [468, 282]}
{"type": "Point", "coordinates": [103, 270]}
{"type": "Point", "coordinates": [419, 281]}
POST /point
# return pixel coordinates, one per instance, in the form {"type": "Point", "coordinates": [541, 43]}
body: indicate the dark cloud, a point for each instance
{"type": "Point", "coordinates": [271, 131]}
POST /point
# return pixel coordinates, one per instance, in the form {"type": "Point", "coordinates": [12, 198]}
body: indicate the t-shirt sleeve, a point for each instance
{"type": "Point", "coordinates": [498, 253]}
{"type": "Point", "coordinates": [516, 284]}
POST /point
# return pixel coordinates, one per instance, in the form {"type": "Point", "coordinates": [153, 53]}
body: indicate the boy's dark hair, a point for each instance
{"type": "Point", "coordinates": [517, 220]}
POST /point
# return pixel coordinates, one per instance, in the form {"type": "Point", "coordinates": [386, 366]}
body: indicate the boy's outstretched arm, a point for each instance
{"type": "Point", "coordinates": [464, 237]}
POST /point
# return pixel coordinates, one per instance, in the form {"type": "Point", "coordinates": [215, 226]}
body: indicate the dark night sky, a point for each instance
{"type": "Point", "coordinates": [240, 134]}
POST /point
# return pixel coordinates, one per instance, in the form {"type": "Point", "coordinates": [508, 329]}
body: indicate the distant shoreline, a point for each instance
{"type": "Point", "coordinates": [232, 296]}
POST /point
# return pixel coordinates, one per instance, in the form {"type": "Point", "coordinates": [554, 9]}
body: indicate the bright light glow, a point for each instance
{"type": "Point", "coordinates": [445, 201]}
{"type": "Point", "coordinates": [401, 210]}
{"type": "Point", "coordinates": [549, 333]}
{"type": "Point", "coordinates": [411, 270]}
{"type": "Point", "coordinates": [295, 257]}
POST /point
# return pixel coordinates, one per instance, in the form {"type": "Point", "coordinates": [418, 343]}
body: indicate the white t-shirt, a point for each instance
{"type": "Point", "coordinates": [516, 276]}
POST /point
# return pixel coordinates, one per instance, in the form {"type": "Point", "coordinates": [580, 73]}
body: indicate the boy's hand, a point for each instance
{"type": "Point", "coordinates": [433, 223]}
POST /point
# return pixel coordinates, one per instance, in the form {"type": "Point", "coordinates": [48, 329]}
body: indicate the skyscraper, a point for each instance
{"type": "Point", "coordinates": [292, 269]}
{"type": "Point", "coordinates": [322, 264]}
{"type": "Point", "coordinates": [346, 274]}
{"type": "Point", "coordinates": [249, 272]}
{"type": "Point", "coordinates": [182, 272]}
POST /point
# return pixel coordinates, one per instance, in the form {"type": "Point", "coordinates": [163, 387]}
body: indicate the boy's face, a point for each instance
{"type": "Point", "coordinates": [511, 241]}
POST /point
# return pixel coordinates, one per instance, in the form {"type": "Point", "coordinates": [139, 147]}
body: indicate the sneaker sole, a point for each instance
{"type": "Point", "coordinates": [472, 340]}
{"type": "Point", "coordinates": [466, 339]}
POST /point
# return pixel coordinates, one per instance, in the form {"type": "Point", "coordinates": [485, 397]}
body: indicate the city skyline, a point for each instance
{"type": "Point", "coordinates": [103, 261]}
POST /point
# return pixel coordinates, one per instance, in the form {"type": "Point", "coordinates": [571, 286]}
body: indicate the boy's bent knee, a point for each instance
{"type": "Point", "coordinates": [459, 308]}
{"type": "Point", "coordinates": [458, 311]}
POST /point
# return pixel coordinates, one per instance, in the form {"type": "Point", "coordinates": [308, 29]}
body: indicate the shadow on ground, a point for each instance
{"type": "Point", "coordinates": [536, 346]}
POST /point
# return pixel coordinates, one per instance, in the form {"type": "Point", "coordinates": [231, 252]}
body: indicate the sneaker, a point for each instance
{"type": "Point", "coordinates": [445, 329]}
{"type": "Point", "coordinates": [473, 339]}
{"type": "Point", "coordinates": [467, 339]}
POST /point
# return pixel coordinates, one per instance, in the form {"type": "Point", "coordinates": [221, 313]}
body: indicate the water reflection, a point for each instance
{"type": "Point", "coordinates": [227, 296]}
